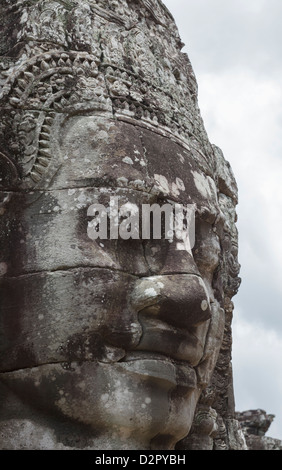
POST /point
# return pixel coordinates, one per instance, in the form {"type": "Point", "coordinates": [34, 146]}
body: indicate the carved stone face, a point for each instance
{"type": "Point", "coordinates": [124, 332]}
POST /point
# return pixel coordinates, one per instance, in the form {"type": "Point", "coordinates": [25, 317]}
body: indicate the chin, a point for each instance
{"type": "Point", "coordinates": [142, 403]}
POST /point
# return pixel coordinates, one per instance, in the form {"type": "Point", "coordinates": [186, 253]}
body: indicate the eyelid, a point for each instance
{"type": "Point", "coordinates": [210, 215]}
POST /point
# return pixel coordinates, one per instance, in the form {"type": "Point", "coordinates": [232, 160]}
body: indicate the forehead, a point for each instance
{"type": "Point", "coordinates": [103, 152]}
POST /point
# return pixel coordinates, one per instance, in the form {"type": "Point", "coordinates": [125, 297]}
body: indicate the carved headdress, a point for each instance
{"type": "Point", "coordinates": [102, 61]}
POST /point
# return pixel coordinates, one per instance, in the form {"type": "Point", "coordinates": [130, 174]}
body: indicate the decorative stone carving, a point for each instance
{"type": "Point", "coordinates": [110, 344]}
{"type": "Point", "coordinates": [203, 431]}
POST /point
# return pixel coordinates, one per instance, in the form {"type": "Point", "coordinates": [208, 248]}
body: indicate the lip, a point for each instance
{"type": "Point", "coordinates": [173, 343]}
{"type": "Point", "coordinates": [160, 368]}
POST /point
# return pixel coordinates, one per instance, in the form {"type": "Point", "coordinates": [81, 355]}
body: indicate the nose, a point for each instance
{"type": "Point", "coordinates": [179, 300]}
{"type": "Point", "coordinates": [172, 311]}
{"type": "Point", "coordinates": [169, 258]}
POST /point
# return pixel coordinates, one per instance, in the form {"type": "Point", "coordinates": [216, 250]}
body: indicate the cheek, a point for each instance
{"type": "Point", "coordinates": [105, 321]}
{"type": "Point", "coordinates": [45, 322]}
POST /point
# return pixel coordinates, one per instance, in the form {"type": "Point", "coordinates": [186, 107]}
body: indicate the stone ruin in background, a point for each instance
{"type": "Point", "coordinates": [255, 424]}
{"type": "Point", "coordinates": [120, 344]}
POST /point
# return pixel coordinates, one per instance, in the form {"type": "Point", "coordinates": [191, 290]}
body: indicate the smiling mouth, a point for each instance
{"type": "Point", "coordinates": [170, 342]}
{"type": "Point", "coordinates": [165, 353]}
{"type": "Point", "coordinates": [160, 368]}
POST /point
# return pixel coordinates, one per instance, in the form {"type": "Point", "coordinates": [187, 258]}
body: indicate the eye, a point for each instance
{"type": "Point", "coordinates": [207, 247]}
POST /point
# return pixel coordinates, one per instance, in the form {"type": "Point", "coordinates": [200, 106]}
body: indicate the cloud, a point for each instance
{"type": "Point", "coordinates": [221, 34]}
{"type": "Point", "coordinates": [258, 355]}
{"type": "Point", "coordinates": [243, 113]}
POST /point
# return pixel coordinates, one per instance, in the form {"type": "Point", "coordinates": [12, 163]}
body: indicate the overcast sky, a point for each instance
{"type": "Point", "coordinates": [235, 50]}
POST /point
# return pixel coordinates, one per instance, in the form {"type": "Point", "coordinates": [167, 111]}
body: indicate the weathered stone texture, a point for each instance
{"type": "Point", "coordinates": [118, 344]}
{"type": "Point", "coordinates": [255, 424]}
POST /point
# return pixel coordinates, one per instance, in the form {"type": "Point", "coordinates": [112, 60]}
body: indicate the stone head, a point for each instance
{"type": "Point", "coordinates": [116, 337]}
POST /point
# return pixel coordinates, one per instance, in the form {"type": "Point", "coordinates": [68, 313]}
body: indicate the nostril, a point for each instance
{"type": "Point", "coordinates": [178, 300]}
